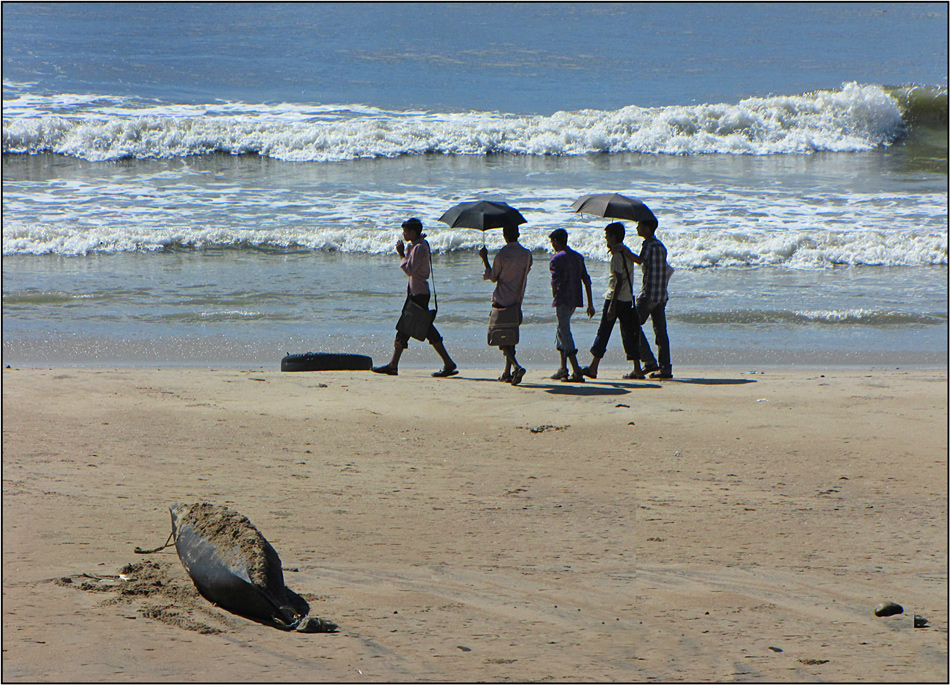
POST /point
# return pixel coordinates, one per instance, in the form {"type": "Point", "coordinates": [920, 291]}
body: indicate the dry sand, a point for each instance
{"type": "Point", "coordinates": [723, 526]}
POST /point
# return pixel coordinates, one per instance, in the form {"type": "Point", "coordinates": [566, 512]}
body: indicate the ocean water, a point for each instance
{"type": "Point", "coordinates": [221, 184]}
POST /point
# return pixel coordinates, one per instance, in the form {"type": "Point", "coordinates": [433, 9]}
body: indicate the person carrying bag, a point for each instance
{"type": "Point", "coordinates": [509, 273]}
{"type": "Point", "coordinates": [503, 323]}
{"type": "Point", "coordinates": [416, 320]}
{"type": "Point", "coordinates": [618, 307]}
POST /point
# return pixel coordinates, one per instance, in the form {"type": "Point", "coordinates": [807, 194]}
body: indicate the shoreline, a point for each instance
{"type": "Point", "coordinates": [222, 352]}
{"type": "Point", "coordinates": [538, 361]}
{"type": "Point", "coordinates": [540, 369]}
{"type": "Point", "coordinates": [722, 525]}
{"type": "Point", "coordinates": [131, 309]}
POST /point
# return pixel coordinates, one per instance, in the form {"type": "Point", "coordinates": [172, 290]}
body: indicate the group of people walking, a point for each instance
{"type": "Point", "coordinates": [570, 282]}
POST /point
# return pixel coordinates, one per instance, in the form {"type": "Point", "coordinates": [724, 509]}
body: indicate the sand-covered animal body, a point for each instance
{"type": "Point", "coordinates": [233, 566]}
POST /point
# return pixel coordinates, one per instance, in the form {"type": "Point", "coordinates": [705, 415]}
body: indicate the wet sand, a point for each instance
{"type": "Point", "coordinates": [722, 526]}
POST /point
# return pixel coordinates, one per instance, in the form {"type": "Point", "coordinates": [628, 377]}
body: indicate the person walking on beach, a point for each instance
{"type": "Point", "coordinates": [651, 302]}
{"type": "Point", "coordinates": [568, 272]}
{"type": "Point", "coordinates": [618, 305]}
{"type": "Point", "coordinates": [509, 273]}
{"type": "Point", "coordinates": [416, 262]}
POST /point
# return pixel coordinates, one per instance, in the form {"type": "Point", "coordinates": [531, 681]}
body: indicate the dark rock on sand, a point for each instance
{"type": "Point", "coordinates": [888, 609]}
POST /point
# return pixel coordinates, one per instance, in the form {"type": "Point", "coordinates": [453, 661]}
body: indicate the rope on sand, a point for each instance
{"type": "Point", "coordinates": [168, 543]}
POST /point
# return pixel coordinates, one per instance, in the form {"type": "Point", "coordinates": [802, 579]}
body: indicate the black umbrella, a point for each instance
{"type": "Point", "coordinates": [613, 206]}
{"type": "Point", "coordinates": [482, 215]}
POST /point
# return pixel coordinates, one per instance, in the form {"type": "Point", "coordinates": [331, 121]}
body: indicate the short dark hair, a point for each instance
{"type": "Point", "coordinates": [615, 229]}
{"type": "Point", "coordinates": [413, 224]}
{"type": "Point", "coordinates": [559, 235]}
{"type": "Point", "coordinates": [652, 224]}
{"type": "Point", "coordinates": [511, 232]}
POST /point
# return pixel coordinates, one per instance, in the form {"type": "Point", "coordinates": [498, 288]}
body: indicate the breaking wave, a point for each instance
{"type": "Point", "coordinates": [848, 317]}
{"type": "Point", "coordinates": [105, 128]}
{"type": "Point", "coordinates": [797, 249]}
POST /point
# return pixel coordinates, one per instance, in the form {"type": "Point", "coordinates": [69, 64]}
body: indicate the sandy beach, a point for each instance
{"type": "Point", "coordinates": [727, 525]}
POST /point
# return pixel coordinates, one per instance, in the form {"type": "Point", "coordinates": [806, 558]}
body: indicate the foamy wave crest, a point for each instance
{"type": "Point", "coordinates": [871, 317]}
{"type": "Point", "coordinates": [42, 239]}
{"type": "Point", "coordinates": [852, 118]}
{"type": "Point", "coordinates": [807, 249]}
{"type": "Point", "coordinates": [847, 317]}
{"type": "Point", "coordinates": [687, 249]}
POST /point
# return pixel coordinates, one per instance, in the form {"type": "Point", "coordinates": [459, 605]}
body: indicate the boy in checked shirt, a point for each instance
{"type": "Point", "coordinates": [651, 302]}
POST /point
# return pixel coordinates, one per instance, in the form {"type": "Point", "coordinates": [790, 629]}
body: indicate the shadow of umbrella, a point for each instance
{"type": "Point", "coordinates": [580, 390]}
{"type": "Point", "coordinates": [712, 381]}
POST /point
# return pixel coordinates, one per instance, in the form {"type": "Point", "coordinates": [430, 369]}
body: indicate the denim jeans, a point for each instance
{"type": "Point", "coordinates": [563, 339]}
{"type": "Point", "coordinates": [630, 332]}
{"type": "Point", "coordinates": [657, 312]}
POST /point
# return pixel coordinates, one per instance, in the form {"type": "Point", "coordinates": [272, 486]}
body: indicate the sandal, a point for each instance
{"type": "Point", "coordinates": [386, 370]}
{"type": "Point", "coordinates": [560, 375]}
{"type": "Point", "coordinates": [505, 378]}
{"type": "Point", "coordinates": [634, 376]}
{"type": "Point", "coordinates": [574, 378]}
{"type": "Point", "coordinates": [587, 372]}
{"type": "Point", "coordinates": [662, 375]}
{"type": "Point", "coordinates": [518, 375]}
{"type": "Point", "coordinates": [650, 368]}
{"type": "Point", "coordinates": [446, 372]}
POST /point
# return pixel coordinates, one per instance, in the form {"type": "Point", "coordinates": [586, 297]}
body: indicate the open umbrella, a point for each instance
{"type": "Point", "coordinates": [613, 206]}
{"type": "Point", "coordinates": [482, 215]}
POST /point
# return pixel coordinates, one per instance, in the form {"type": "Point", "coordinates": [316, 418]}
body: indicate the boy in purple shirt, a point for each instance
{"type": "Point", "coordinates": [568, 272]}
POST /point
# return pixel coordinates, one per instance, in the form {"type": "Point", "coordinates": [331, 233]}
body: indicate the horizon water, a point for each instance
{"type": "Point", "coordinates": [169, 200]}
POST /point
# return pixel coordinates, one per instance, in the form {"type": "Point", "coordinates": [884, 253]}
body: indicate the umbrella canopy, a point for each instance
{"type": "Point", "coordinates": [482, 215]}
{"type": "Point", "coordinates": [613, 206]}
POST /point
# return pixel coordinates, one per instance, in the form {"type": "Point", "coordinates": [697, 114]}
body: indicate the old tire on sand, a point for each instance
{"type": "Point", "coordinates": [323, 361]}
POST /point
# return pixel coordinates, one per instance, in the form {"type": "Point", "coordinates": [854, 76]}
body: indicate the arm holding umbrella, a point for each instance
{"type": "Point", "coordinates": [483, 253]}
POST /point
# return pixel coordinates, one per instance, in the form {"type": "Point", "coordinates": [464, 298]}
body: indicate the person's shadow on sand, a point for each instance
{"type": "Point", "coordinates": [604, 389]}
{"type": "Point", "coordinates": [591, 389]}
{"type": "Point", "coordinates": [712, 381]}
{"type": "Point", "coordinates": [579, 389]}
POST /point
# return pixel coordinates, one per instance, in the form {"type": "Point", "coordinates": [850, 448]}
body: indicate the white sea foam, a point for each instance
{"type": "Point", "coordinates": [868, 317]}
{"type": "Point", "coordinates": [800, 249]}
{"type": "Point", "coordinates": [855, 316]}
{"type": "Point", "coordinates": [711, 214]}
{"type": "Point", "coordinates": [98, 128]}
{"type": "Point", "coordinates": [718, 225]}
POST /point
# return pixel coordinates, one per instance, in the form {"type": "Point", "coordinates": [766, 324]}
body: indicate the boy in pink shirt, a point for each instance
{"type": "Point", "coordinates": [415, 261]}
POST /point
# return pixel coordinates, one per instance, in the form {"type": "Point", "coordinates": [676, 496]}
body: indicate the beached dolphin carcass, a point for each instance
{"type": "Point", "coordinates": [233, 566]}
